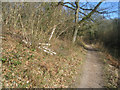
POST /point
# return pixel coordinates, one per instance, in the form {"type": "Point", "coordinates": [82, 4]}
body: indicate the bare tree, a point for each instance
{"type": "Point", "coordinates": [76, 21]}
{"type": "Point", "coordinates": [78, 9]}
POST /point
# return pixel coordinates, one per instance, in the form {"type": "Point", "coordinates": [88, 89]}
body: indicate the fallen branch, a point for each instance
{"type": "Point", "coordinates": [52, 32]}
{"type": "Point", "coordinates": [43, 46]}
{"type": "Point", "coordinates": [47, 50]}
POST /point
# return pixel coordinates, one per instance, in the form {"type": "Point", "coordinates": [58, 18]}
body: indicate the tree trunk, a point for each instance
{"type": "Point", "coordinates": [76, 21]}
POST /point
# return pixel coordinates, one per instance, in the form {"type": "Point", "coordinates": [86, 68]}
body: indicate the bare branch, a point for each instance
{"type": "Point", "coordinates": [89, 15]}
{"type": "Point", "coordinates": [69, 3]}
{"type": "Point", "coordinates": [105, 12]}
{"type": "Point", "coordinates": [63, 4]}
{"type": "Point", "coordinates": [85, 9]}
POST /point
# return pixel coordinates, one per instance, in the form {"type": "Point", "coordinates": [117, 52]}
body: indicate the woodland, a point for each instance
{"type": "Point", "coordinates": [45, 43]}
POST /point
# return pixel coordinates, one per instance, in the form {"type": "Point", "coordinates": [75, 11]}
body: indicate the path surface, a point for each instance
{"type": "Point", "coordinates": [91, 75]}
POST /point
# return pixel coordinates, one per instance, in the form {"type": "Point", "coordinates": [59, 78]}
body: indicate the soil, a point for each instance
{"type": "Point", "coordinates": [91, 72]}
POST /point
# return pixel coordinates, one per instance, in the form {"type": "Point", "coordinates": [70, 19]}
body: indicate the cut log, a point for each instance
{"type": "Point", "coordinates": [43, 46]}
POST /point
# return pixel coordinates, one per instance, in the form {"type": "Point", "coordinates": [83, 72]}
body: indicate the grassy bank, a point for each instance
{"type": "Point", "coordinates": [30, 67]}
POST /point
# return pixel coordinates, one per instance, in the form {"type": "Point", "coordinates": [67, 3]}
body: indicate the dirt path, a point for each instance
{"type": "Point", "coordinates": [91, 75]}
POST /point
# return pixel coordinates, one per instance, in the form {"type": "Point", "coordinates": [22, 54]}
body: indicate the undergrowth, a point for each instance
{"type": "Point", "coordinates": [111, 68]}
{"type": "Point", "coordinates": [26, 67]}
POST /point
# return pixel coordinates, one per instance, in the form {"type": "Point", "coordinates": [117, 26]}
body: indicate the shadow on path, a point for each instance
{"type": "Point", "coordinates": [90, 48]}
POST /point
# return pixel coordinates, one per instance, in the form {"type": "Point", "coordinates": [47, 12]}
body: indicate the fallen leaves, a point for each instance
{"type": "Point", "coordinates": [112, 76]}
{"type": "Point", "coordinates": [25, 67]}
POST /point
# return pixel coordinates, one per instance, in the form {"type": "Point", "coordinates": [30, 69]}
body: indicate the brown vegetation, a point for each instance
{"type": "Point", "coordinates": [27, 25]}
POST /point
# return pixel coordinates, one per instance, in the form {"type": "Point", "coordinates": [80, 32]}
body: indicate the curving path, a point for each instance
{"type": "Point", "coordinates": [92, 71]}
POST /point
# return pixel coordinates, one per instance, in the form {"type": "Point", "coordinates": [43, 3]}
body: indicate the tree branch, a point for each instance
{"type": "Point", "coordinates": [105, 12]}
{"type": "Point", "coordinates": [70, 4]}
{"type": "Point", "coordinates": [85, 9]}
{"type": "Point", "coordinates": [93, 11]}
{"type": "Point", "coordinates": [63, 4]}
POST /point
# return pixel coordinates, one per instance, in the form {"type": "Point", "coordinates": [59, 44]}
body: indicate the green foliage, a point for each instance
{"type": "Point", "coordinates": [3, 59]}
{"type": "Point", "coordinates": [104, 31]}
{"type": "Point", "coordinates": [15, 62]}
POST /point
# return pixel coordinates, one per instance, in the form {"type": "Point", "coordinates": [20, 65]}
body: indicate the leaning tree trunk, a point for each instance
{"type": "Point", "coordinates": [76, 21]}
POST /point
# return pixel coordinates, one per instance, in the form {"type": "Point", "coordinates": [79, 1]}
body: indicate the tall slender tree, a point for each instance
{"type": "Point", "coordinates": [81, 10]}
{"type": "Point", "coordinates": [76, 20]}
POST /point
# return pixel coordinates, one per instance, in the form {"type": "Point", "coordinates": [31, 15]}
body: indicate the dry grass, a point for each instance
{"type": "Point", "coordinates": [111, 68]}
{"type": "Point", "coordinates": [29, 67]}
